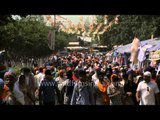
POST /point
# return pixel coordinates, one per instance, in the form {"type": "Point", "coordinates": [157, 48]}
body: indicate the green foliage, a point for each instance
{"type": "Point", "coordinates": [17, 70]}
{"type": "Point", "coordinates": [61, 40]}
{"type": "Point", "coordinates": [5, 19]}
{"type": "Point", "coordinates": [128, 26]}
{"type": "Point", "coordinates": [28, 37]}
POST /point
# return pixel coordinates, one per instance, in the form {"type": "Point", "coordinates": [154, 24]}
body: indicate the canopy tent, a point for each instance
{"type": "Point", "coordinates": [155, 47]}
{"type": "Point", "coordinates": [123, 49]}
{"type": "Point", "coordinates": [127, 48]}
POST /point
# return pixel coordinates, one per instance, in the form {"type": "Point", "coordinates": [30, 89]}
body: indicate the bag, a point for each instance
{"type": "Point", "coordinates": [79, 99]}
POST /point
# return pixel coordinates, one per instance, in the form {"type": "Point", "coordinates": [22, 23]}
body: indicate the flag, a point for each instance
{"type": "Point", "coordinates": [50, 40]}
{"type": "Point", "coordinates": [134, 50]}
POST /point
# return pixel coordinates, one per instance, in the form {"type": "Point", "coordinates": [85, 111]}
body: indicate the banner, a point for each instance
{"type": "Point", "coordinates": [51, 40]}
{"type": "Point", "coordinates": [134, 50]}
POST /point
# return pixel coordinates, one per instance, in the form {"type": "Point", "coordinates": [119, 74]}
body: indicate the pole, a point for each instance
{"type": "Point", "coordinates": [53, 40]}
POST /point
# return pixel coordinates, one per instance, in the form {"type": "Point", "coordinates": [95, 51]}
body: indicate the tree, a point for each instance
{"type": "Point", "coordinates": [128, 26]}
{"type": "Point", "coordinates": [5, 19]}
{"type": "Point", "coordinates": [28, 37]}
{"type": "Point", "coordinates": [25, 37]}
{"type": "Point", "coordinates": [62, 39]}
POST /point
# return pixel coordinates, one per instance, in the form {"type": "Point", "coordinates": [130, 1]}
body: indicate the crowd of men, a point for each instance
{"type": "Point", "coordinates": [79, 79]}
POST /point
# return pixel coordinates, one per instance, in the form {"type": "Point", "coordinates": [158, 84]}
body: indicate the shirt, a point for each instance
{"type": "Point", "coordinates": [48, 89]}
{"type": "Point", "coordinates": [147, 91]}
{"type": "Point", "coordinates": [115, 100]}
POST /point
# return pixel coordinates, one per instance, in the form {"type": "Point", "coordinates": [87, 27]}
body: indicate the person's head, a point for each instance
{"type": "Point", "coordinates": [58, 68]}
{"type": "Point", "coordinates": [130, 77]}
{"type": "Point", "coordinates": [2, 70]}
{"type": "Point", "coordinates": [48, 73]}
{"type": "Point", "coordinates": [147, 76]}
{"type": "Point", "coordinates": [115, 70]}
{"type": "Point", "coordinates": [76, 73]}
{"type": "Point", "coordinates": [40, 69]}
{"type": "Point", "coordinates": [82, 75]}
{"type": "Point", "coordinates": [80, 65]}
{"type": "Point", "coordinates": [21, 80]}
{"type": "Point", "coordinates": [61, 73]}
{"type": "Point", "coordinates": [69, 74]}
{"type": "Point", "coordinates": [100, 76]}
{"type": "Point", "coordinates": [1, 86]}
{"type": "Point", "coordinates": [35, 65]}
{"type": "Point", "coordinates": [106, 80]}
{"type": "Point", "coordinates": [26, 71]}
{"type": "Point", "coordinates": [9, 79]}
{"type": "Point", "coordinates": [114, 79]}
{"type": "Point", "coordinates": [125, 76]}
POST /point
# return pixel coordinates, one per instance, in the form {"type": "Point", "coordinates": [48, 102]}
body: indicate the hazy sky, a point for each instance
{"type": "Point", "coordinates": [76, 18]}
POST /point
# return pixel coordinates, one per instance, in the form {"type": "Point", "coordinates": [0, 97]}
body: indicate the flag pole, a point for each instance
{"type": "Point", "coordinates": [53, 40]}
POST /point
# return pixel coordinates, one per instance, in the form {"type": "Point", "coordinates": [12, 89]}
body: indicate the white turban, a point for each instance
{"type": "Point", "coordinates": [147, 73]}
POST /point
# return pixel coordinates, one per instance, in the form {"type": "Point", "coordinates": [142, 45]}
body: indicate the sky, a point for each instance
{"type": "Point", "coordinates": [76, 18]}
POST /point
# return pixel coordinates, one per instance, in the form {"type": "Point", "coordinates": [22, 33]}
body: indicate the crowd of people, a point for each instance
{"type": "Point", "coordinates": [79, 79]}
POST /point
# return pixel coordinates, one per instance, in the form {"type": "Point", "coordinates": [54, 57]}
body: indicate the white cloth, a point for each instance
{"type": "Point", "coordinates": [147, 92]}
{"type": "Point", "coordinates": [141, 55]}
{"type": "Point", "coordinates": [39, 78]}
{"type": "Point", "coordinates": [158, 68]}
{"type": "Point", "coordinates": [55, 57]}
{"type": "Point", "coordinates": [61, 82]}
{"type": "Point", "coordinates": [147, 73]}
{"type": "Point", "coordinates": [18, 94]}
{"type": "Point", "coordinates": [95, 78]}
{"type": "Point", "coordinates": [122, 82]}
{"type": "Point", "coordinates": [90, 69]}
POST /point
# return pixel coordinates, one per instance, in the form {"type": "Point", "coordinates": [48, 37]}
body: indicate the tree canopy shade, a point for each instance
{"type": "Point", "coordinates": [28, 37]}
{"type": "Point", "coordinates": [128, 26]}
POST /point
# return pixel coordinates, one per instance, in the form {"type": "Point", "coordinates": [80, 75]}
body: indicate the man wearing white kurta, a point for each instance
{"type": "Point", "coordinates": [147, 91]}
